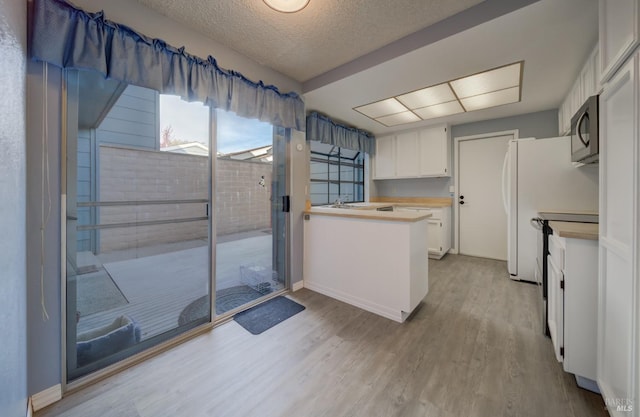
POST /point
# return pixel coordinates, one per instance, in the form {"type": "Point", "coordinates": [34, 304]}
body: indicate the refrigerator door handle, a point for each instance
{"type": "Point", "coordinates": [504, 183]}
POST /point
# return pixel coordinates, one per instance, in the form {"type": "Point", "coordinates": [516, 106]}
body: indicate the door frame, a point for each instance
{"type": "Point", "coordinates": [456, 163]}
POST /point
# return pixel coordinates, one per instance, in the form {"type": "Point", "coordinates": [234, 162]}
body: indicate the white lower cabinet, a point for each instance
{"type": "Point", "coordinates": [439, 240]}
{"type": "Point", "coordinates": [439, 234]}
{"type": "Point", "coordinates": [573, 305]}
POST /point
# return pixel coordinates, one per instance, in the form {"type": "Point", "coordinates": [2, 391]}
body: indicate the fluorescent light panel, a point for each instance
{"type": "Point", "coordinates": [382, 108]}
{"type": "Point", "coordinates": [490, 88]}
{"type": "Point", "coordinates": [493, 99]}
{"type": "Point", "coordinates": [439, 110]}
{"type": "Point", "coordinates": [429, 96]}
{"type": "Point", "coordinates": [488, 81]}
{"type": "Point", "coordinates": [398, 119]}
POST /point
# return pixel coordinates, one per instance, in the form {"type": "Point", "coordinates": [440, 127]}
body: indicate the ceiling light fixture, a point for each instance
{"type": "Point", "coordinates": [491, 88]}
{"type": "Point", "coordinates": [287, 6]}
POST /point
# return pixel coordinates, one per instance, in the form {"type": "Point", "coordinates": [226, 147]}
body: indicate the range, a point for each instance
{"type": "Point", "coordinates": [542, 223]}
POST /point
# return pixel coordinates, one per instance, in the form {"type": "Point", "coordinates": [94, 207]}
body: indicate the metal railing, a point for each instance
{"type": "Point", "coordinates": [141, 203]}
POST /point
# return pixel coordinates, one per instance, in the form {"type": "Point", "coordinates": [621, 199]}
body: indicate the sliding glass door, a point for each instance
{"type": "Point", "coordinates": [152, 217]}
{"type": "Point", "coordinates": [138, 198]}
{"type": "Point", "coordinates": [251, 203]}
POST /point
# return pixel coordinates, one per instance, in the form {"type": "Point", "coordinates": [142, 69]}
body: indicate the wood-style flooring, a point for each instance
{"type": "Point", "coordinates": [473, 348]}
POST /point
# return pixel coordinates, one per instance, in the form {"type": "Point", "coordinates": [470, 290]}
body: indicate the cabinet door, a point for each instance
{"type": "Point", "coordinates": [555, 305]}
{"type": "Point", "coordinates": [587, 79]}
{"type": "Point", "coordinates": [407, 155]}
{"type": "Point", "coordinates": [435, 236]}
{"type": "Point", "coordinates": [385, 157]}
{"type": "Point", "coordinates": [617, 300]}
{"type": "Point", "coordinates": [434, 152]}
{"type": "Point", "coordinates": [618, 30]}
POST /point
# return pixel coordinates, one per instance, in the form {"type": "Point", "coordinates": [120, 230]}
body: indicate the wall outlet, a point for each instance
{"type": "Point", "coordinates": [452, 188]}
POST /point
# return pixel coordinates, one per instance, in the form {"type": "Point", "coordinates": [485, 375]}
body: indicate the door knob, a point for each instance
{"type": "Point", "coordinates": [461, 197]}
{"type": "Point", "coordinates": [461, 202]}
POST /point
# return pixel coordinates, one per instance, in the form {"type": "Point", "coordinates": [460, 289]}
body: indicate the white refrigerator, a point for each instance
{"type": "Point", "coordinates": [537, 176]}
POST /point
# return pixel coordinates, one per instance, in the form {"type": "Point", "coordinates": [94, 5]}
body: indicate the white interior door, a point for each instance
{"type": "Point", "coordinates": [482, 220]}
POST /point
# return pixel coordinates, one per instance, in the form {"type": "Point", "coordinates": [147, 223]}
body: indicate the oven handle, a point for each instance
{"type": "Point", "coordinates": [536, 222]}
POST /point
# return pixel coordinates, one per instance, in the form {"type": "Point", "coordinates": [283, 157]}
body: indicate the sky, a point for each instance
{"type": "Point", "coordinates": [190, 122]}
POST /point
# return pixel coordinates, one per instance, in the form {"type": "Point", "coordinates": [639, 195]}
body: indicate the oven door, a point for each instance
{"type": "Point", "coordinates": [541, 305]}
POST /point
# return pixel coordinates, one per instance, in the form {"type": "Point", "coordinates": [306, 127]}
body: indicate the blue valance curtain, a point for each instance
{"type": "Point", "coordinates": [69, 37]}
{"type": "Point", "coordinates": [323, 129]}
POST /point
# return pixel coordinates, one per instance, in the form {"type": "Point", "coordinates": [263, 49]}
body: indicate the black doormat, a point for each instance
{"type": "Point", "coordinates": [226, 299]}
{"type": "Point", "coordinates": [266, 315]}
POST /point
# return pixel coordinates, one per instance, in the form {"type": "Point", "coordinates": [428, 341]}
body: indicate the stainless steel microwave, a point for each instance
{"type": "Point", "coordinates": [584, 132]}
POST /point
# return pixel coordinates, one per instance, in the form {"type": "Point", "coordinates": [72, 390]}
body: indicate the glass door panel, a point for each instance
{"type": "Point", "coordinates": [250, 199]}
{"type": "Point", "coordinates": [138, 231]}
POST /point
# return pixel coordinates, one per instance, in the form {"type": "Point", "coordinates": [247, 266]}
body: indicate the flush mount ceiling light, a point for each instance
{"type": "Point", "coordinates": [491, 88]}
{"type": "Point", "coordinates": [287, 6]}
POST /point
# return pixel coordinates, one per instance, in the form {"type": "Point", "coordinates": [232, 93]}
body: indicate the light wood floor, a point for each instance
{"type": "Point", "coordinates": [472, 349]}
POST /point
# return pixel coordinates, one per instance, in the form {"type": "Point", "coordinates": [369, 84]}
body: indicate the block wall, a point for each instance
{"type": "Point", "coordinates": [242, 203]}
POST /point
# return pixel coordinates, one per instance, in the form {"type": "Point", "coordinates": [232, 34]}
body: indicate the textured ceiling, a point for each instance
{"type": "Point", "coordinates": [321, 37]}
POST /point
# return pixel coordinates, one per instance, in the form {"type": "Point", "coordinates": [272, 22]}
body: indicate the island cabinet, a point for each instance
{"type": "Point", "coordinates": [377, 264]}
{"type": "Point", "coordinates": [414, 154]}
{"type": "Point", "coordinates": [573, 305]}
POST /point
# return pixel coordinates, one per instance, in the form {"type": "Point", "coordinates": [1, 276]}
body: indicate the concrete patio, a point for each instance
{"type": "Point", "coordinates": [157, 283]}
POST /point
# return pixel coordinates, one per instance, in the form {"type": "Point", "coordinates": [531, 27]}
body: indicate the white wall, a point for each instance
{"type": "Point", "coordinates": [13, 356]}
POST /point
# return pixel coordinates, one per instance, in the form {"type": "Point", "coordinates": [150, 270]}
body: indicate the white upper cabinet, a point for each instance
{"type": "Point", "coordinates": [435, 151]}
{"type": "Point", "coordinates": [618, 32]}
{"type": "Point", "coordinates": [414, 154]}
{"type": "Point", "coordinates": [587, 84]}
{"type": "Point", "coordinates": [385, 158]}
{"type": "Point", "coordinates": [407, 154]}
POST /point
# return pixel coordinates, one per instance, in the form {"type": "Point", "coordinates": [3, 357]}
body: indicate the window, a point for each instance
{"type": "Point", "coordinates": [336, 173]}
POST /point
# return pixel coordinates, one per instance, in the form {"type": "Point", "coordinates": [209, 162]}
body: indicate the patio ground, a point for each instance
{"type": "Point", "coordinates": [154, 284]}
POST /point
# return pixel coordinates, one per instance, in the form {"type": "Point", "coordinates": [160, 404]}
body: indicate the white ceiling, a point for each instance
{"type": "Point", "coordinates": [352, 52]}
{"type": "Point", "coordinates": [324, 35]}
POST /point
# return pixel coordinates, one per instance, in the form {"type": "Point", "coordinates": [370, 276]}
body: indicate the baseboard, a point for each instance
{"type": "Point", "coordinates": [47, 397]}
{"type": "Point", "coordinates": [297, 286]}
{"type": "Point", "coordinates": [384, 311]}
{"type": "Point", "coordinates": [29, 408]}
{"type": "Point", "coordinates": [453, 251]}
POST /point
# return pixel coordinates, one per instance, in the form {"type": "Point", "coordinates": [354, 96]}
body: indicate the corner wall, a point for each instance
{"type": "Point", "coordinates": [13, 300]}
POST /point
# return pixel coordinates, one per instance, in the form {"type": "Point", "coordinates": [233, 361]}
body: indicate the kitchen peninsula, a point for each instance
{"type": "Point", "coordinates": [375, 260]}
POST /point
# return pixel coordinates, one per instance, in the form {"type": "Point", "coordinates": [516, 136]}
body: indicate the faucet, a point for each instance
{"type": "Point", "coordinates": [341, 200]}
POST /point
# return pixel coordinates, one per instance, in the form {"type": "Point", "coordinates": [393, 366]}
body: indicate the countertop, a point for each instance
{"type": "Point", "coordinates": [587, 212]}
{"type": "Point", "coordinates": [370, 213]}
{"type": "Point", "coordinates": [575, 230]}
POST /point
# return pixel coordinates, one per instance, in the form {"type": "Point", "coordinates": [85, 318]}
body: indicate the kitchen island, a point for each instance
{"type": "Point", "coordinates": [375, 260]}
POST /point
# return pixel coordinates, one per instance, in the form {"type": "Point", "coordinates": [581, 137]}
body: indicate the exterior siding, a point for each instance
{"type": "Point", "coordinates": [86, 188]}
{"type": "Point", "coordinates": [133, 120]}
